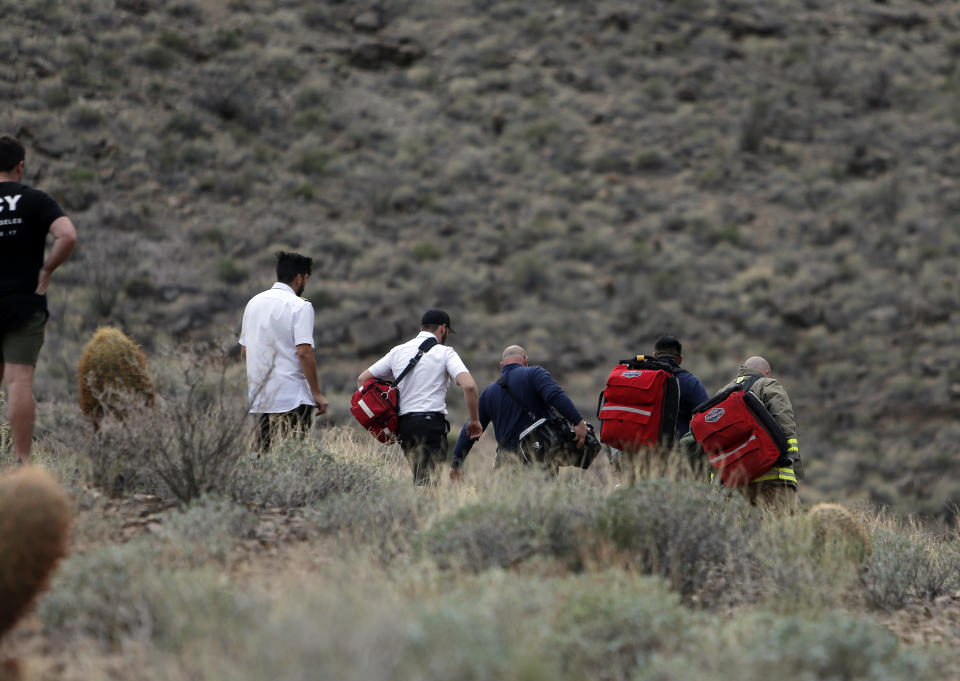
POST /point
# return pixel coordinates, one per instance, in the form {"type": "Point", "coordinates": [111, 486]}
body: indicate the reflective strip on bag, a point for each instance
{"type": "Point", "coordinates": [366, 409]}
{"type": "Point", "coordinates": [785, 474]}
{"type": "Point", "coordinates": [632, 410]}
{"type": "Point", "coordinates": [723, 455]}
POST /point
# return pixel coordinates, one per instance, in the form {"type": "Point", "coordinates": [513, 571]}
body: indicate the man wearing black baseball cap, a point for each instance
{"type": "Point", "coordinates": [422, 428]}
{"type": "Point", "coordinates": [438, 318]}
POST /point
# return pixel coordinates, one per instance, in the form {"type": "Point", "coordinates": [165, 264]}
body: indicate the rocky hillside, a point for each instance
{"type": "Point", "coordinates": [579, 177]}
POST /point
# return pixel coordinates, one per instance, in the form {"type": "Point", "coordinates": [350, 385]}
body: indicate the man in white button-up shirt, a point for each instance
{"type": "Point", "coordinates": [422, 428]}
{"type": "Point", "coordinates": [276, 342]}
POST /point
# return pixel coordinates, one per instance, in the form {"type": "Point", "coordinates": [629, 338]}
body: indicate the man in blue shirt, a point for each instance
{"type": "Point", "coordinates": [535, 389]}
{"type": "Point", "coordinates": [692, 392]}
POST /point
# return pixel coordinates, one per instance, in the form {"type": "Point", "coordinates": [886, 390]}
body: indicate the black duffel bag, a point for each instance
{"type": "Point", "coordinates": [552, 442]}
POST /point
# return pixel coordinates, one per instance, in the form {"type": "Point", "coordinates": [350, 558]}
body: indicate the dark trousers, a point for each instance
{"type": "Point", "coordinates": [296, 423]}
{"type": "Point", "coordinates": [423, 438]}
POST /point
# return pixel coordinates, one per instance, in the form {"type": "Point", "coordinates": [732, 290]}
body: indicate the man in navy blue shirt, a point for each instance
{"type": "Point", "coordinates": [535, 389]}
{"type": "Point", "coordinates": [692, 392]}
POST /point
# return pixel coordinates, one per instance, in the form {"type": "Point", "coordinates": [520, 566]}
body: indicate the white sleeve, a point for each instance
{"type": "Point", "coordinates": [455, 365]}
{"type": "Point", "coordinates": [303, 325]}
{"type": "Point", "coordinates": [383, 367]}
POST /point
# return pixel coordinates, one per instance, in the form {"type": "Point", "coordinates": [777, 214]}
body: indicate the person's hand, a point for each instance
{"type": "Point", "coordinates": [474, 429]}
{"type": "Point", "coordinates": [456, 475]}
{"type": "Point", "coordinates": [580, 431]}
{"type": "Point", "coordinates": [43, 282]}
{"type": "Point", "coordinates": [321, 402]}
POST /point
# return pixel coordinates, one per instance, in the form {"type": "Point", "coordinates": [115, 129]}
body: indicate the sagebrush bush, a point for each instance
{"type": "Point", "coordinates": [385, 521]}
{"type": "Point", "coordinates": [837, 647]}
{"type": "Point", "coordinates": [903, 565]}
{"type": "Point", "coordinates": [123, 592]}
{"type": "Point", "coordinates": [687, 532]}
{"type": "Point", "coordinates": [206, 531]}
{"type": "Point", "coordinates": [482, 536]}
{"type": "Point", "coordinates": [184, 445]}
{"type": "Point", "coordinates": [300, 474]}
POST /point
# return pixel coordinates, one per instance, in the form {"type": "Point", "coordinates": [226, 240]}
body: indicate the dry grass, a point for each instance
{"type": "Point", "coordinates": [507, 575]}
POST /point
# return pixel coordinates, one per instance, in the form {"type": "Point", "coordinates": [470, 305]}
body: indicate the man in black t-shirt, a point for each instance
{"type": "Point", "coordinates": [27, 215]}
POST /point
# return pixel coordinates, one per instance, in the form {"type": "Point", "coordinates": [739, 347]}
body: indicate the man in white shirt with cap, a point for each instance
{"type": "Point", "coordinates": [422, 427]}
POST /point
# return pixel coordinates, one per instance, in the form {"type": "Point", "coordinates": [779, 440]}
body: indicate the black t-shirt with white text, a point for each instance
{"type": "Point", "coordinates": [25, 218]}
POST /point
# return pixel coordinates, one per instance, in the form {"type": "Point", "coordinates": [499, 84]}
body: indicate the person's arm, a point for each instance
{"type": "Point", "coordinates": [465, 442]}
{"type": "Point", "coordinates": [379, 370]}
{"type": "Point", "coordinates": [555, 397]}
{"type": "Point", "coordinates": [308, 364]}
{"type": "Point", "coordinates": [471, 395]}
{"type": "Point", "coordinates": [65, 238]}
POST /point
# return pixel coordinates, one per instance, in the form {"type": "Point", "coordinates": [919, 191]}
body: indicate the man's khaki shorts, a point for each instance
{"type": "Point", "coordinates": [21, 344]}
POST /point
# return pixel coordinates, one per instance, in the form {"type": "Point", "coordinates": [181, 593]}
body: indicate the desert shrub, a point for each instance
{"type": "Point", "coordinates": [838, 647]}
{"type": "Point", "coordinates": [902, 566]}
{"type": "Point", "coordinates": [205, 531]}
{"type": "Point", "coordinates": [482, 536]}
{"type": "Point", "coordinates": [229, 271]}
{"type": "Point", "coordinates": [426, 251]}
{"type": "Point", "coordinates": [84, 116]}
{"type": "Point", "coordinates": [754, 124]}
{"type": "Point", "coordinates": [186, 444]}
{"type": "Point", "coordinates": [797, 565]}
{"type": "Point", "coordinates": [155, 56]}
{"type": "Point", "coordinates": [608, 624]}
{"type": "Point", "coordinates": [312, 161]}
{"type": "Point", "coordinates": [687, 532]}
{"type": "Point", "coordinates": [385, 522]}
{"type": "Point", "coordinates": [300, 474]}
{"type": "Point", "coordinates": [120, 592]}
{"type": "Point", "coordinates": [189, 124]}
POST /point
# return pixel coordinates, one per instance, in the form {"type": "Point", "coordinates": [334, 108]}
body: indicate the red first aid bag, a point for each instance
{"type": "Point", "coordinates": [639, 405]}
{"type": "Point", "coordinates": [376, 406]}
{"type": "Point", "coordinates": [738, 434]}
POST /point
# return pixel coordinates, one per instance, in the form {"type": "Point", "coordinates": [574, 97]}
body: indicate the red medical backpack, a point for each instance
{"type": "Point", "coordinates": [740, 437]}
{"type": "Point", "coordinates": [639, 405]}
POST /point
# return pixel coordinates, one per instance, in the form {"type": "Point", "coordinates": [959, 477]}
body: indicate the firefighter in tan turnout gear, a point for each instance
{"type": "Point", "coordinates": [777, 488]}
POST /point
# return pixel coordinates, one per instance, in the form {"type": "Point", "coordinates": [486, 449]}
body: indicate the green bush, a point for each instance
{"type": "Point", "coordinates": [482, 536]}
{"type": "Point", "coordinates": [300, 474]}
{"type": "Point", "coordinates": [690, 533]}
{"type": "Point", "coordinates": [385, 522]}
{"type": "Point", "coordinates": [206, 530]}
{"type": "Point", "coordinates": [900, 567]}
{"type": "Point", "coordinates": [185, 445]}
{"type": "Point", "coordinates": [838, 647]}
{"type": "Point", "coordinates": [118, 593]}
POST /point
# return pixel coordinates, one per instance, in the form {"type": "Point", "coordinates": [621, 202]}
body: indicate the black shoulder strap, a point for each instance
{"type": "Point", "coordinates": [421, 351]}
{"type": "Point", "coordinates": [746, 384]}
{"type": "Point", "coordinates": [502, 382]}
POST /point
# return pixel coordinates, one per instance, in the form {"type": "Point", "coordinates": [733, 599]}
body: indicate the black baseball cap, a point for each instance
{"type": "Point", "coordinates": [436, 317]}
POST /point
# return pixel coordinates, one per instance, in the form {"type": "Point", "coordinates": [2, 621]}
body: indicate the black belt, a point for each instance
{"type": "Point", "coordinates": [423, 413]}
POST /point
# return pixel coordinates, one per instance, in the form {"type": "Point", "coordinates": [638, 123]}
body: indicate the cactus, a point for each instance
{"type": "Point", "coordinates": [112, 372]}
{"type": "Point", "coordinates": [35, 514]}
{"type": "Point", "coordinates": [834, 523]}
